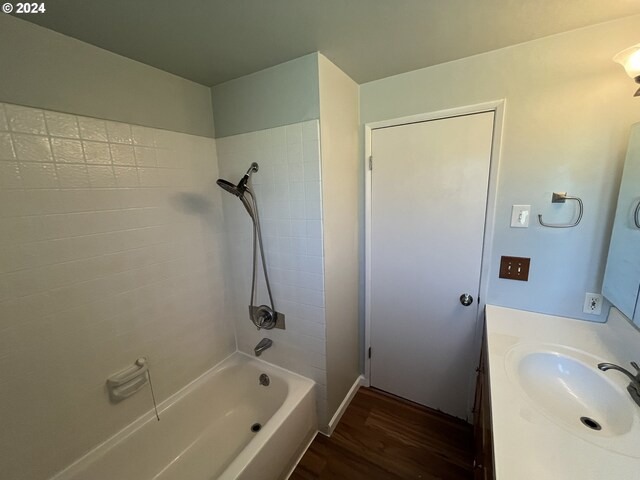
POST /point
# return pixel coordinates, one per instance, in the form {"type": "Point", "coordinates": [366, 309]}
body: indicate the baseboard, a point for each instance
{"type": "Point", "coordinates": [302, 452]}
{"type": "Point", "coordinates": [333, 423]}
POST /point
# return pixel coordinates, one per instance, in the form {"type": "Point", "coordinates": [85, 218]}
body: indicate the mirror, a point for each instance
{"type": "Point", "coordinates": [622, 276]}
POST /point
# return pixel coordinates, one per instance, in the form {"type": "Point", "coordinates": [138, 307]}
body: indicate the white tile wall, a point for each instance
{"type": "Point", "coordinates": [288, 191]}
{"type": "Point", "coordinates": [111, 247]}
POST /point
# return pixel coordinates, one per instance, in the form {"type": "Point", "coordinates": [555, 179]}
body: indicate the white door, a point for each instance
{"type": "Point", "coordinates": [428, 202]}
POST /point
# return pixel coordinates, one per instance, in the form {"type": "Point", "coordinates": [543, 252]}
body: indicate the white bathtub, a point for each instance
{"type": "Point", "coordinates": [204, 432]}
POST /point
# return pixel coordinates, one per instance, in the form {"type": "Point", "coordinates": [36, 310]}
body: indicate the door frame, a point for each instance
{"type": "Point", "coordinates": [496, 106]}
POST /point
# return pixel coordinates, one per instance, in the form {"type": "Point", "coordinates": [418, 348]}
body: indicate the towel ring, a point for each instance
{"type": "Point", "coordinates": [561, 197]}
{"type": "Point", "coordinates": [635, 215]}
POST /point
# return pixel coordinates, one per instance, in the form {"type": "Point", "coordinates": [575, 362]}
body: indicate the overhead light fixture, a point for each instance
{"type": "Point", "coordinates": [629, 58]}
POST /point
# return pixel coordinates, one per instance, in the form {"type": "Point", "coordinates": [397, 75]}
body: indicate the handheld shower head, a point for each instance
{"type": "Point", "coordinates": [229, 187]}
{"type": "Point", "coordinates": [239, 189]}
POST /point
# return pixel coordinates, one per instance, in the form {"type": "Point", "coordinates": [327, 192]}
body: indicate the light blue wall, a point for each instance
{"type": "Point", "coordinates": [281, 95]}
{"type": "Point", "coordinates": [44, 69]}
{"type": "Point", "coordinates": [569, 109]}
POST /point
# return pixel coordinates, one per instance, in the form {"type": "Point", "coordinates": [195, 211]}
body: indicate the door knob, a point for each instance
{"type": "Point", "coordinates": [466, 299]}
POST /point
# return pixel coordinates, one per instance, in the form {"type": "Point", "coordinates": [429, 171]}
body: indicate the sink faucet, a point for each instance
{"type": "Point", "coordinates": [634, 386]}
{"type": "Point", "coordinates": [262, 346]}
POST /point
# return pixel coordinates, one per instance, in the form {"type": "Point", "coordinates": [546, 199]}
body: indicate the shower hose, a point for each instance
{"type": "Point", "coordinates": [260, 321]}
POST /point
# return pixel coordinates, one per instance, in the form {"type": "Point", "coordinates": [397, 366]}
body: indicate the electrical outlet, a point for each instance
{"type": "Point", "coordinates": [592, 303]}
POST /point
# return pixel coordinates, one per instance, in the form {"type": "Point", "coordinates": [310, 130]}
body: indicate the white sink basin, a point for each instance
{"type": "Point", "coordinates": [567, 388]}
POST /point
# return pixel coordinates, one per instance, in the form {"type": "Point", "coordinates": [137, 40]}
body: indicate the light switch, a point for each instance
{"type": "Point", "coordinates": [515, 268]}
{"type": "Point", "coordinates": [520, 216]}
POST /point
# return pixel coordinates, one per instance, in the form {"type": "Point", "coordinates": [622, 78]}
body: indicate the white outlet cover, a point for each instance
{"type": "Point", "coordinates": [520, 215]}
{"type": "Point", "coordinates": [592, 303]}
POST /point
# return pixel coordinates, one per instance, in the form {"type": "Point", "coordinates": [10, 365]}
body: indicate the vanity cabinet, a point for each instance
{"type": "Point", "coordinates": [622, 276]}
{"type": "Point", "coordinates": [483, 444]}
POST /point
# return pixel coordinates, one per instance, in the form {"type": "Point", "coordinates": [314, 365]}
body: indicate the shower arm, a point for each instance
{"type": "Point", "coordinates": [242, 188]}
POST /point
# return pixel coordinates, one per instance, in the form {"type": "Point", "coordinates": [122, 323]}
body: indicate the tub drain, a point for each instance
{"type": "Point", "coordinates": [256, 427]}
{"type": "Point", "coordinates": [590, 423]}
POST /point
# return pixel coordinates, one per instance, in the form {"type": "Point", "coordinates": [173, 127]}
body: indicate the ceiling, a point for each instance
{"type": "Point", "coordinates": [212, 41]}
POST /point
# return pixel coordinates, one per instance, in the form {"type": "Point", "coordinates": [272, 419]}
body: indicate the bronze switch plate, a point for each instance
{"type": "Point", "coordinates": [515, 268]}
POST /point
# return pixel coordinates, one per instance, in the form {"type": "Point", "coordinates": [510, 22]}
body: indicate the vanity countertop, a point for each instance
{"type": "Point", "coordinates": [529, 442]}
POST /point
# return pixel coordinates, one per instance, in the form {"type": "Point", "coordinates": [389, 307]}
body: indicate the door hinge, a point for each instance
{"type": "Point", "coordinates": [369, 352]}
{"type": "Point", "coordinates": [370, 162]}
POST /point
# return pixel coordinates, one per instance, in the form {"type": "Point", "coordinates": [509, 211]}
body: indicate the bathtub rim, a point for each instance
{"type": "Point", "coordinates": [300, 383]}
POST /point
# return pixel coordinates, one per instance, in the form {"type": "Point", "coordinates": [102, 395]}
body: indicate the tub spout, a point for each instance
{"type": "Point", "coordinates": [262, 346]}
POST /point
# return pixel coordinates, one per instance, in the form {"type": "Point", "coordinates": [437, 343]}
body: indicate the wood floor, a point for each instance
{"type": "Point", "coordinates": [383, 437]}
